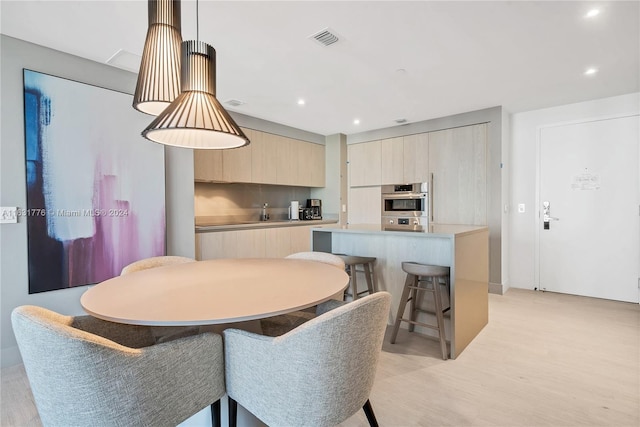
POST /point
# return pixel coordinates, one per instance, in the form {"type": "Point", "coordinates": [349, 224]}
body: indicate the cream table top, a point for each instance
{"type": "Point", "coordinates": [214, 291]}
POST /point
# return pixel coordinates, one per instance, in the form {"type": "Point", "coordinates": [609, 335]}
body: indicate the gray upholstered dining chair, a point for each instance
{"type": "Point", "coordinates": [278, 325]}
{"type": "Point", "coordinates": [88, 372]}
{"type": "Point", "coordinates": [162, 333]}
{"type": "Point", "coordinates": [319, 374]}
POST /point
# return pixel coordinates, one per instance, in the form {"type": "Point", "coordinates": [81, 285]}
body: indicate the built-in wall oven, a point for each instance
{"type": "Point", "coordinates": [405, 207]}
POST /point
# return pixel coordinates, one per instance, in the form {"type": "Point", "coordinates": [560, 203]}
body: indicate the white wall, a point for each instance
{"type": "Point", "coordinates": [16, 55]}
{"type": "Point", "coordinates": [523, 165]}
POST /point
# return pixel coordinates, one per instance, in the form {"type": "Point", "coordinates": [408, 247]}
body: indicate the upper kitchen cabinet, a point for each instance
{"type": "Point", "coordinates": [365, 164]}
{"type": "Point", "coordinates": [269, 159]}
{"type": "Point", "coordinates": [286, 161]}
{"type": "Point", "coordinates": [392, 160]}
{"type": "Point", "coordinates": [318, 154]}
{"type": "Point", "coordinates": [458, 164]}
{"type": "Point", "coordinates": [416, 158]}
{"type": "Point", "coordinates": [311, 164]}
{"type": "Point", "coordinates": [207, 165]}
{"type": "Point", "coordinates": [263, 158]}
{"type": "Point", "coordinates": [237, 162]}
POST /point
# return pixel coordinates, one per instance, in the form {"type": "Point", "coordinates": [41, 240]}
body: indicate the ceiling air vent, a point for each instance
{"type": "Point", "coordinates": [234, 103]}
{"type": "Point", "coordinates": [325, 37]}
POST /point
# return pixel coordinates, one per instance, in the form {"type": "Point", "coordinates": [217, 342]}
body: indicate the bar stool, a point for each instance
{"type": "Point", "coordinates": [351, 263]}
{"type": "Point", "coordinates": [429, 275]}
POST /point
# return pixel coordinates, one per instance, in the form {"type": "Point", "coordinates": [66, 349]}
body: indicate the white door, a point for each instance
{"type": "Point", "coordinates": [589, 177]}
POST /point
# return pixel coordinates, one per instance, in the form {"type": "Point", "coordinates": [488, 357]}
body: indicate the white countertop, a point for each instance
{"type": "Point", "coordinates": [434, 230]}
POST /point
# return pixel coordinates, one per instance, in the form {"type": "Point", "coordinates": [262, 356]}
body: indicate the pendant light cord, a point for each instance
{"type": "Point", "coordinates": [197, 20]}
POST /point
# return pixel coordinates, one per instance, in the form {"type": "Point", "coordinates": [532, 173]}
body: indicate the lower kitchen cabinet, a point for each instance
{"type": "Point", "coordinates": [276, 242]}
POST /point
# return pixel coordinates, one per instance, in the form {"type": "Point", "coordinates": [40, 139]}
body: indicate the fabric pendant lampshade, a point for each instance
{"type": "Point", "coordinates": [195, 119]}
{"type": "Point", "coordinates": [159, 77]}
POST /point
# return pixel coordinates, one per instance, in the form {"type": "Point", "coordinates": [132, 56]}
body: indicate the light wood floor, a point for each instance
{"type": "Point", "coordinates": [545, 359]}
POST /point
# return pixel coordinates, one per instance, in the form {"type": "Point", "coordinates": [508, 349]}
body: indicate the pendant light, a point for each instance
{"type": "Point", "coordinates": [195, 119]}
{"type": "Point", "coordinates": [159, 76]}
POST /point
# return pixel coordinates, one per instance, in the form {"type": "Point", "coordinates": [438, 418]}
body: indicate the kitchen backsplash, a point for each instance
{"type": "Point", "coordinates": [232, 203]}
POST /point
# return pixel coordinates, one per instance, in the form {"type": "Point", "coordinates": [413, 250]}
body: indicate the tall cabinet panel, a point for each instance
{"type": "Point", "coordinates": [365, 162]}
{"type": "Point", "coordinates": [416, 158]}
{"type": "Point", "coordinates": [392, 150]}
{"type": "Point", "coordinates": [458, 164]}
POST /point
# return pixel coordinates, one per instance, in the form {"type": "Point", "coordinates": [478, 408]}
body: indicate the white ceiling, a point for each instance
{"type": "Point", "coordinates": [457, 56]}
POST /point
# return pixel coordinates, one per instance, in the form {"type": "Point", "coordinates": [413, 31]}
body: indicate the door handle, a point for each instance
{"type": "Point", "coordinates": [546, 215]}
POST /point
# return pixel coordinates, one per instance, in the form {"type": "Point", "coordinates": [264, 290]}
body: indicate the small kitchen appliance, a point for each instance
{"type": "Point", "coordinates": [316, 208]}
{"type": "Point", "coordinates": [294, 210]}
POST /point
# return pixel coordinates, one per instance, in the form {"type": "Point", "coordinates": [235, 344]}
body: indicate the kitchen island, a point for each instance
{"type": "Point", "coordinates": [463, 248]}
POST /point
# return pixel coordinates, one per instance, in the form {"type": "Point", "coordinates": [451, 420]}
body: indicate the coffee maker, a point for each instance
{"type": "Point", "coordinates": [316, 208]}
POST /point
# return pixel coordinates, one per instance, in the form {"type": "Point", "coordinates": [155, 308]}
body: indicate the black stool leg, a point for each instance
{"type": "Point", "coordinates": [233, 413]}
{"type": "Point", "coordinates": [368, 411]}
{"type": "Point", "coordinates": [215, 414]}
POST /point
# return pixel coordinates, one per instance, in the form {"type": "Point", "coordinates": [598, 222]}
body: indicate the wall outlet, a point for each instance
{"type": "Point", "coordinates": [521, 208]}
{"type": "Point", "coordinates": [8, 215]}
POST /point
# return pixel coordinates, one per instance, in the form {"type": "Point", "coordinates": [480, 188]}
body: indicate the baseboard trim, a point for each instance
{"type": "Point", "coordinates": [496, 288]}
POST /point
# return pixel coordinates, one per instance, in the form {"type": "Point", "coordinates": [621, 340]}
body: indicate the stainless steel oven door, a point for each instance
{"type": "Point", "coordinates": [405, 205]}
{"type": "Point", "coordinates": [398, 223]}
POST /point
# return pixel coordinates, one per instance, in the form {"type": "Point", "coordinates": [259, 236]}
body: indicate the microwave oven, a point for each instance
{"type": "Point", "coordinates": [406, 200]}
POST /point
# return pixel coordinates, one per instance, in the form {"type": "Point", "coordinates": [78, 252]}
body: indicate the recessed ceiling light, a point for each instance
{"type": "Point", "coordinates": [300, 101]}
{"type": "Point", "coordinates": [592, 13]}
{"type": "Point", "coordinates": [590, 71]}
{"type": "Point", "coordinates": [356, 121]}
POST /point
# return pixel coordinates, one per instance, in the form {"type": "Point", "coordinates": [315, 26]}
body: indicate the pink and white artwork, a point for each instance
{"type": "Point", "coordinates": [95, 187]}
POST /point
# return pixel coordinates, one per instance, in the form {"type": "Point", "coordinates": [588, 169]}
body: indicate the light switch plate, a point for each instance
{"type": "Point", "coordinates": [8, 215]}
{"type": "Point", "coordinates": [521, 208]}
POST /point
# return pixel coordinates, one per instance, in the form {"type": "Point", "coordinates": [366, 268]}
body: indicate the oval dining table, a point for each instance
{"type": "Point", "coordinates": [214, 292]}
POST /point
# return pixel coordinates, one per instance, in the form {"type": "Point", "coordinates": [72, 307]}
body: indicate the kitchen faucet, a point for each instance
{"type": "Point", "coordinates": [264, 216]}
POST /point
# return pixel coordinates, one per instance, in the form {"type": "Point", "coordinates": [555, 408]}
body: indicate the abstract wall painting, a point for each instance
{"type": "Point", "coordinates": [95, 187]}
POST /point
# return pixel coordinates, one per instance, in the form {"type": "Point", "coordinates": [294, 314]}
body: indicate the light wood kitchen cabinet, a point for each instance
{"type": "Point", "coordinates": [263, 158]}
{"type": "Point", "coordinates": [365, 163]}
{"type": "Point", "coordinates": [231, 244]}
{"type": "Point", "coordinates": [223, 244]}
{"type": "Point", "coordinates": [392, 161]}
{"type": "Point", "coordinates": [207, 165]}
{"type": "Point", "coordinates": [284, 160]}
{"type": "Point", "coordinates": [276, 242]}
{"type": "Point", "coordinates": [458, 162]}
{"type": "Point", "coordinates": [318, 155]}
{"type": "Point", "coordinates": [300, 239]}
{"type": "Point", "coordinates": [304, 164]}
{"type": "Point", "coordinates": [415, 158]}
{"type": "Point", "coordinates": [269, 159]}
{"type": "Point", "coordinates": [237, 162]}
{"type": "Point", "coordinates": [365, 205]}
{"type": "Point", "coordinates": [311, 164]}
